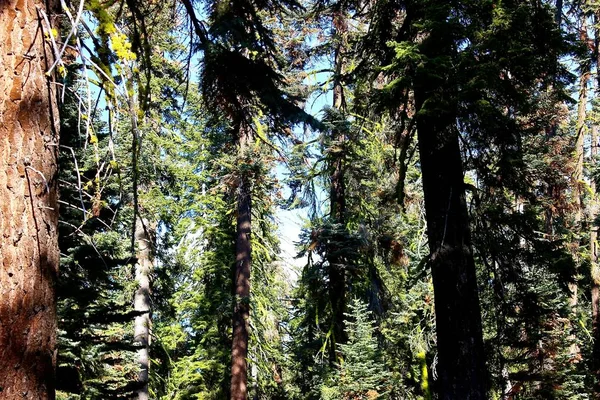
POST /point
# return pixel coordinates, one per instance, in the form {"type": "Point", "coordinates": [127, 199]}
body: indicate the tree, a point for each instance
{"type": "Point", "coordinates": [593, 215]}
{"type": "Point", "coordinates": [29, 215]}
{"type": "Point", "coordinates": [462, 367]}
{"type": "Point", "coordinates": [241, 80]}
{"type": "Point", "coordinates": [337, 189]}
{"type": "Point", "coordinates": [471, 94]}
{"type": "Point", "coordinates": [458, 316]}
{"type": "Point", "coordinates": [362, 374]}
{"type": "Point", "coordinates": [94, 347]}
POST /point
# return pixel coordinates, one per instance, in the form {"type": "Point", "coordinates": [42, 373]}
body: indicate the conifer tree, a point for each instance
{"type": "Point", "coordinates": [29, 215]}
{"type": "Point", "coordinates": [241, 80]}
{"type": "Point", "coordinates": [464, 77]}
{"type": "Point", "coordinates": [361, 374]}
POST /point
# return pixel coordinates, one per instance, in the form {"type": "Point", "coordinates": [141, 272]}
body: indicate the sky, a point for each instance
{"type": "Point", "coordinates": [290, 221]}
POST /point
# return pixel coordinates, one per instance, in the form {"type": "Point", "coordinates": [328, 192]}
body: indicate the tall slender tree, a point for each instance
{"type": "Point", "coordinates": [241, 80]}
{"type": "Point", "coordinates": [337, 191]}
{"type": "Point", "coordinates": [142, 302]}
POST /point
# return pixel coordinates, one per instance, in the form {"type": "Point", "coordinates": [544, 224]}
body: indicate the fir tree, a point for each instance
{"type": "Point", "coordinates": [361, 373]}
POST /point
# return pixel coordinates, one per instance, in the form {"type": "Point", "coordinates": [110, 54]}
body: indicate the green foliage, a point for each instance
{"type": "Point", "coordinates": [360, 374]}
{"type": "Point", "coordinates": [501, 82]}
{"type": "Point", "coordinates": [94, 359]}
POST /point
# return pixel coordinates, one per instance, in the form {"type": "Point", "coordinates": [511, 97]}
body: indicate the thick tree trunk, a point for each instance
{"type": "Point", "coordinates": [28, 203]}
{"type": "Point", "coordinates": [461, 367]}
{"type": "Point", "coordinates": [243, 249]}
{"type": "Point", "coordinates": [142, 304]}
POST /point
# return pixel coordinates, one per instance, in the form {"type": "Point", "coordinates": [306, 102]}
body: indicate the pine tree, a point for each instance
{"type": "Point", "coordinates": [29, 215]}
{"type": "Point", "coordinates": [92, 297]}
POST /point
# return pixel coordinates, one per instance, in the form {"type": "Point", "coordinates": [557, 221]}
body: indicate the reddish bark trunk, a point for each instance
{"type": "Point", "coordinates": [241, 311]}
{"type": "Point", "coordinates": [28, 203]}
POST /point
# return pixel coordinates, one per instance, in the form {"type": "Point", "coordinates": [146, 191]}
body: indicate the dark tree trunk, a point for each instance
{"type": "Point", "coordinates": [461, 367]}
{"type": "Point", "coordinates": [243, 250]}
{"type": "Point", "coordinates": [558, 14]}
{"type": "Point", "coordinates": [337, 199]}
{"type": "Point", "coordinates": [29, 253]}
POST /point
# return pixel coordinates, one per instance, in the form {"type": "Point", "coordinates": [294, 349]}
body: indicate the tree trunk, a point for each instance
{"type": "Point", "coordinates": [574, 350]}
{"type": "Point", "coordinates": [579, 149]}
{"type": "Point", "coordinates": [337, 198]}
{"type": "Point", "coordinates": [594, 269]}
{"type": "Point", "coordinates": [593, 214]}
{"type": "Point", "coordinates": [28, 203]}
{"type": "Point", "coordinates": [142, 323]}
{"type": "Point", "coordinates": [243, 249]}
{"type": "Point", "coordinates": [461, 367]}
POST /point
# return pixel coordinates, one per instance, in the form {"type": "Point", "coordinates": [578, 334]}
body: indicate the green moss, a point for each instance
{"type": "Point", "coordinates": [424, 375]}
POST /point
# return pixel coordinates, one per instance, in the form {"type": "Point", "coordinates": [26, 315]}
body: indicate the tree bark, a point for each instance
{"type": "Point", "coordinates": [584, 77]}
{"type": "Point", "coordinates": [579, 149]}
{"type": "Point", "coordinates": [461, 367]}
{"type": "Point", "coordinates": [243, 249]}
{"type": "Point", "coordinates": [337, 197]}
{"type": "Point", "coordinates": [28, 202]}
{"type": "Point", "coordinates": [595, 269]}
{"type": "Point", "coordinates": [593, 214]}
{"type": "Point", "coordinates": [142, 304]}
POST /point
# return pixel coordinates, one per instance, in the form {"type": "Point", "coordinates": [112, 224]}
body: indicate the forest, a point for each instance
{"type": "Point", "coordinates": [299, 199]}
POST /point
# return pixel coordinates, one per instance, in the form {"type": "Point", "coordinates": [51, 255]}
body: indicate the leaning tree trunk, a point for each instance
{"type": "Point", "coordinates": [142, 323]}
{"type": "Point", "coordinates": [461, 367]}
{"type": "Point", "coordinates": [29, 253]}
{"type": "Point", "coordinates": [243, 253]}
